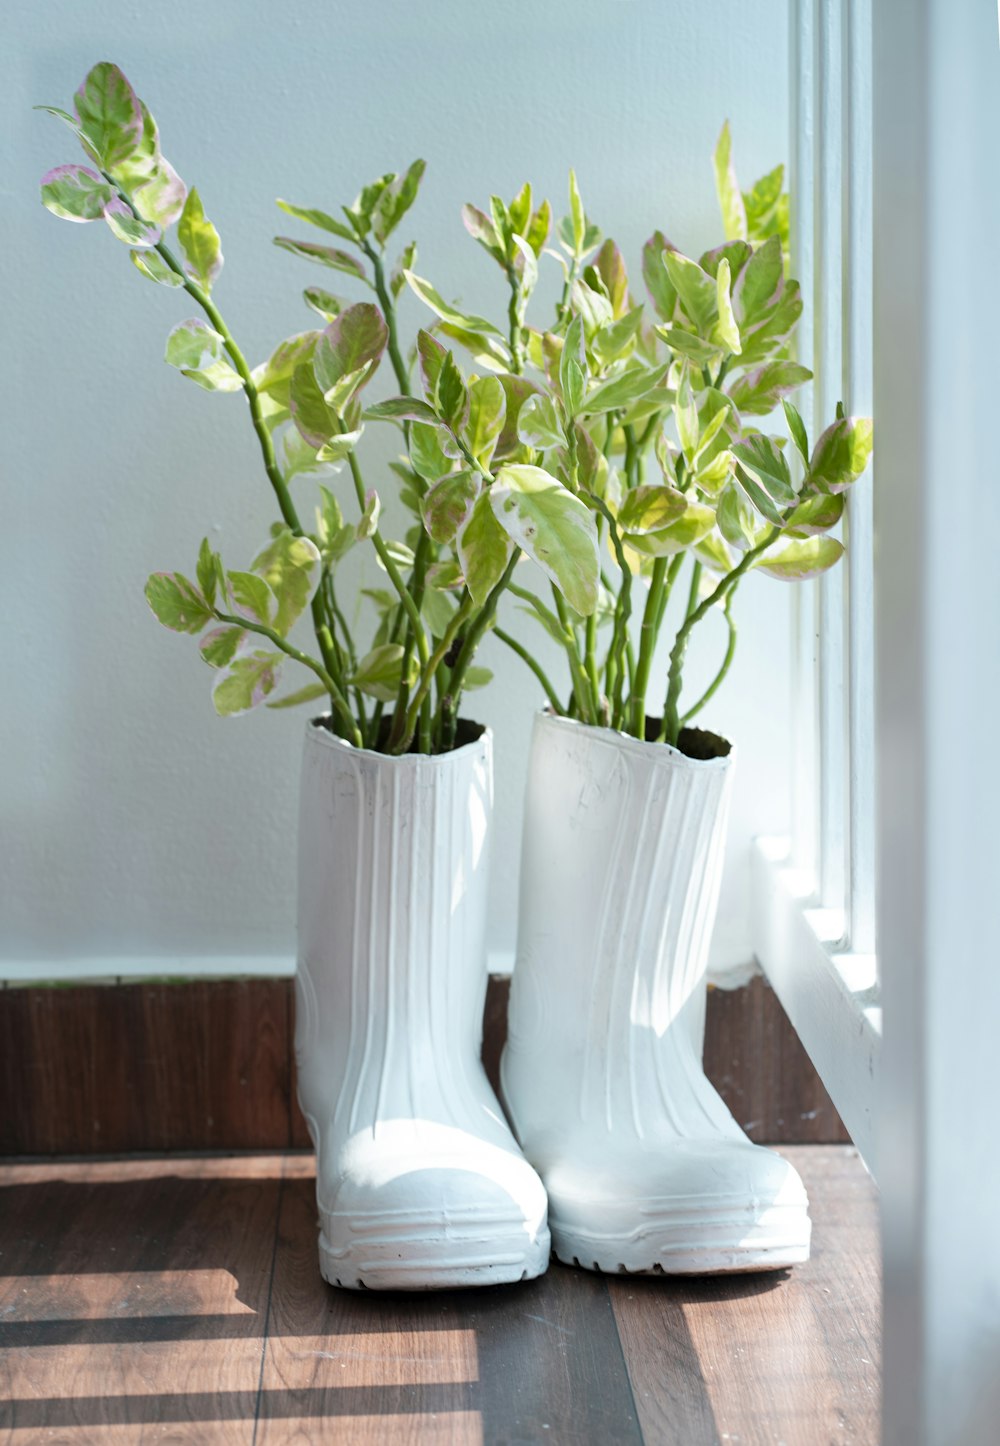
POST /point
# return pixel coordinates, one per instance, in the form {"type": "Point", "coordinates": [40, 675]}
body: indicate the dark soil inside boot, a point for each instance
{"type": "Point", "coordinates": [693, 742]}
{"type": "Point", "coordinates": [466, 732]}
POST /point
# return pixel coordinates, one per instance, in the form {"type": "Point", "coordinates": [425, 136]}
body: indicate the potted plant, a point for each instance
{"type": "Point", "coordinates": [419, 1180]}
{"type": "Point", "coordinates": [658, 424]}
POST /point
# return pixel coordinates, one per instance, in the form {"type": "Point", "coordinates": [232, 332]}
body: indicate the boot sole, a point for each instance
{"type": "Point", "coordinates": [422, 1262]}
{"type": "Point", "coordinates": [666, 1248]}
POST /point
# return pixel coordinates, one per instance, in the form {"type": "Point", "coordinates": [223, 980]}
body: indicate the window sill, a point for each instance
{"type": "Point", "coordinates": [829, 994]}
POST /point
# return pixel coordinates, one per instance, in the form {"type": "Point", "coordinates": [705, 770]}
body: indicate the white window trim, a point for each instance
{"type": "Point", "coordinates": [813, 924]}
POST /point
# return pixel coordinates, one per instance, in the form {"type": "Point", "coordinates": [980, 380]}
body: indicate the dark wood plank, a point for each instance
{"type": "Point", "coordinates": [133, 1299]}
{"type": "Point", "coordinates": [198, 1065]}
{"type": "Point", "coordinates": [203, 1065]}
{"type": "Point", "coordinates": [532, 1362]}
{"type": "Point", "coordinates": [758, 1064]}
{"type": "Point", "coordinates": [790, 1356]}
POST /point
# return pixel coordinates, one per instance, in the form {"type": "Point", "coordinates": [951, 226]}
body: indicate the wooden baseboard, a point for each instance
{"type": "Point", "coordinates": [209, 1065]}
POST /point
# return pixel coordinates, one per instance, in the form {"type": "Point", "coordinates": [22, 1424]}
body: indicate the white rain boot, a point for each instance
{"type": "Point", "coordinates": [645, 1167]}
{"type": "Point", "coordinates": [420, 1184]}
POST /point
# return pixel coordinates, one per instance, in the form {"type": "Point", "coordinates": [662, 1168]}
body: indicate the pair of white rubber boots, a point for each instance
{"type": "Point", "coordinates": [627, 1154]}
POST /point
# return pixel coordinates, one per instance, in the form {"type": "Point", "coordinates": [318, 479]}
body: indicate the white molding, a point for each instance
{"type": "Point", "coordinates": [15, 973]}
{"type": "Point", "coordinates": [830, 996]}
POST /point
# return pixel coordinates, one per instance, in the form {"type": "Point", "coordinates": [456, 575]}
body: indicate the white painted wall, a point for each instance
{"type": "Point", "coordinates": [136, 825]}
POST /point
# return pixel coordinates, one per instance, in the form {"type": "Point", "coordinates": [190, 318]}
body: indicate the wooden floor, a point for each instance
{"type": "Point", "coordinates": [178, 1300]}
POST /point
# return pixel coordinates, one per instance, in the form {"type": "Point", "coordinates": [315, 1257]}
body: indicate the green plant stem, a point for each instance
{"type": "Point", "coordinates": [647, 643]}
{"type": "Point", "coordinates": [387, 562]}
{"type": "Point", "coordinates": [716, 682]}
{"type": "Point", "coordinates": [399, 366]}
{"type": "Point", "coordinates": [483, 620]}
{"type": "Point", "coordinates": [337, 698]}
{"type": "Point", "coordinates": [670, 727]}
{"type": "Point", "coordinates": [535, 667]}
{"type": "Point", "coordinates": [401, 743]}
{"type": "Point", "coordinates": [581, 682]}
{"type": "Point", "coordinates": [692, 601]}
{"type": "Point", "coordinates": [623, 611]}
{"type": "Point", "coordinates": [321, 625]}
{"type": "Point", "coordinates": [514, 322]}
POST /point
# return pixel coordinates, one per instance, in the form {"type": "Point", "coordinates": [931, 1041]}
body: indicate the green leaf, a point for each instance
{"type": "Point", "coordinates": [407, 260]}
{"type": "Point", "coordinates": [427, 456]}
{"type": "Point", "coordinates": [151, 265]}
{"type": "Point", "coordinates": [725, 331]}
{"type": "Point", "coordinates": [402, 409]}
{"type": "Point", "coordinates": [538, 424]}
{"type": "Point", "coordinates": [109, 114]}
{"type": "Point", "coordinates": [714, 553]}
{"type": "Point", "coordinates": [395, 200]}
{"type": "Point", "coordinates": [308, 694]}
{"type": "Point", "coordinates": [797, 431]}
{"type": "Point", "coordinates": [198, 352]}
{"type": "Point", "coordinates": [447, 505]}
{"type": "Point", "coordinates": [207, 571]}
{"type": "Point", "coordinates": [336, 538]}
{"type": "Point", "coordinates": [516, 390]}
{"type": "Point", "coordinates": [764, 460]}
{"type": "Point", "coordinates": [759, 497]}
{"type": "Point", "coordinates": [689, 529]}
{"type": "Point", "coordinates": [251, 596]}
{"type": "Point", "coordinates": [75, 193]}
{"type": "Point", "coordinates": [759, 391]}
{"type": "Point", "coordinates": [734, 216]}
{"type": "Point", "coordinates": [484, 550]}
{"type": "Point", "coordinates": [801, 559]}
{"type": "Point", "coordinates": [610, 265]}
{"type": "Point", "coordinates": [324, 303]}
{"type": "Point", "coordinates": [452, 394]}
{"type": "Point", "coordinates": [246, 682]}
{"type": "Point", "coordinates": [200, 243]}
{"type": "Point", "coordinates": [360, 213]}
{"type": "Point", "coordinates": [481, 229]}
{"type": "Point", "coordinates": [368, 522]}
{"type": "Point", "coordinates": [317, 218]}
{"type": "Point", "coordinates": [572, 367]}
{"type": "Point", "coordinates": [289, 566]}
{"type": "Point", "coordinates": [578, 217]}
{"type": "Point", "coordinates": [554, 528]}
{"type": "Point", "coordinates": [760, 283]}
{"type": "Point", "coordinates": [177, 603]}
{"type": "Point", "coordinates": [314, 419]}
{"type": "Point", "coordinates": [539, 227]}
{"type": "Point", "coordinates": [323, 255]}
{"type": "Point", "coordinates": [276, 373]}
{"type": "Point", "coordinates": [430, 358]}
{"type": "Point", "coordinates": [841, 454]}
{"type": "Point", "coordinates": [616, 340]}
{"type": "Point", "coordinates": [695, 288]}
{"type": "Point", "coordinates": [126, 225]}
{"type": "Point", "coordinates": [623, 390]}
{"type": "Point", "coordinates": [476, 677]}
{"type": "Point", "coordinates": [686, 344]}
{"type": "Point", "coordinates": [219, 647]}
{"type": "Point", "coordinates": [662, 291]}
{"type": "Point", "coordinates": [686, 418]}
{"type": "Point", "coordinates": [816, 515]}
{"type": "Point", "coordinates": [425, 291]}
{"type": "Point", "coordinates": [649, 508]}
{"type": "Point", "coordinates": [487, 409]}
{"type": "Point", "coordinates": [735, 517]}
{"type": "Point", "coordinates": [380, 672]}
{"type": "Point", "coordinates": [353, 343]}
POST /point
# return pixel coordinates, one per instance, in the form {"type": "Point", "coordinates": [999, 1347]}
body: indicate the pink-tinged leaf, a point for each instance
{"type": "Point", "coordinates": [128, 228]}
{"type": "Point", "coordinates": [610, 265]}
{"type": "Point", "coordinates": [75, 193]}
{"type": "Point", "coordinates": [110, 114]}
{"type": "Point", "coordinates": [161, 198]}
{"type": "Point", "coordinates": [246, 681]}
{"type": "Point", "coordinates": [447, 505]}
{"type": "Point", "coordinates": [353, 340]}
{"type": "Point", "coordinates": [219, 646]}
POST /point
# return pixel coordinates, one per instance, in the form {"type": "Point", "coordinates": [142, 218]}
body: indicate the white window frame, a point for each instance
{"type": "Point", "coordinates": [814, 892]}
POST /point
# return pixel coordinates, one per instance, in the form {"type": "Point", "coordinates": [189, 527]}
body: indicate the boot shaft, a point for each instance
{"type": "Point", "coordinates": [621, 868]}
{"type": "Point", "coordinates": [393, 875]}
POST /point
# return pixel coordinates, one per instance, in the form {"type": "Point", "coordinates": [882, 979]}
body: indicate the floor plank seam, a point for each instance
{"type": "Point", "coordinates": [640, 1434]}
{"type": "Point", "coordinates": [267, 1308]}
